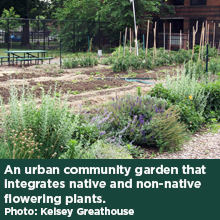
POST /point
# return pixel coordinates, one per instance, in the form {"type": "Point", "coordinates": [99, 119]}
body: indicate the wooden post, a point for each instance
{"type": "Point", "coordinates": [193, 35]}
{"type": "Point", "coordinates": [130, 40]}
{"type": "Point", "coordinates": [206, 28]}
{"type": "Point", "coordinates": [119, 45]}
{"type": "Point", "coordinates": [188, 42]}
{"type": "Point", "coordinates": [125, 39]}
{"type": "Point", "coordinates": [218, 48]}
{"type": "Point", "coordinates": [155, 47]}
{"type": "Point", "coordinates": [214, 36]}
{"type": "Point", "coordinates": [208, 34]}
{"type": "Point", "coordinates": [153, 50]}
{"type": "Point", "coordinates": [200, 44]}
{"type": "Point", "coordinates": [164, 37]}
{"type": "Point", "coordinates": [203, 39]}
{"type": "Point", "coordinates": [147, 38]}
{"type": "Point", "coordinates": [170, 38]}
{"type": "Point", "coordinates": [180, 39]}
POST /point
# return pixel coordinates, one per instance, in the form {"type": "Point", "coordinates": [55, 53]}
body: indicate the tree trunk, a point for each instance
{"type": "Point", "coordinates": [25, 37]}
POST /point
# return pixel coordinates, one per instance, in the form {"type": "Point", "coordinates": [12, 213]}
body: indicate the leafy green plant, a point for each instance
{"type": "Point", "coordinates": [50, 123]}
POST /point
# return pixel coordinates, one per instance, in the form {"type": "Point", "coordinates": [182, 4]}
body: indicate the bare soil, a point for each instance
{"type": "Point", "coordinates": [85, 86]}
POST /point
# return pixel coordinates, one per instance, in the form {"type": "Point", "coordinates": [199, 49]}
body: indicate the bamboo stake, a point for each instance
{"type": "Point", "coordinates": [188, 42]}
{"type": "Point", "coordinates": [193, 43]}
{"type": "Point", "coordinates": [154, 43]}
{"type": "Point", "coordinates": [218, 48]}
{"type": "Point", "coordinates": [200, 44]}
{"type": "Point", "coordinates": [125, 39]}
{"type": "Point", "coordinates": [136, 40]}
{"type": "Point", "coordinates": [206, 28]}
{"type": "Point", "coordinates": [194, 38]}
{"type": "Point", "coordinates": [203, 40]}
{"type": "Point", "coordinates": [170, 38]}
{"type": "Point", "coordinates": [208, 33]}
{"type": "Point", "coordinates": [147, 38]}
{"type": "Point", "coordinates": [155, 47]}
{"type": "Point", "coordinates": [214, 36]}
{"type": "Point", "coordinates": [130, 40]}
{"type": "Point", "coordinates": [180, 39]}
{"type": "Point", "coordinates": [119, 45]}
{"type": "Point", "coordinates": [164, 37]}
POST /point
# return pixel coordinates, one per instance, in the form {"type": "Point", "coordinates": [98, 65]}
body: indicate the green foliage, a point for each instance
{"type": "Point", "coordinates": [135, 119]}
{"type": "Point", "coordinates": [188, 113]}
{"type": "Point", "coordinates": [13, 24]}
{"type": "Point", "coordinates": [212, 108]}
{"type": "Point", "coordinates": [166, 131]}
{"type": "Point", "coordinates": [214, 66]}
{"type": "Point", "coordinates": [76, 150]}
{"type": "Point", "coordinates": [80, 60]}
{"type": "Point", "coordinates": [111, 151]}
{"type": "Point", "coordinates": [188, 86]}
{"type": "Point", "coordinates": [50, 123]}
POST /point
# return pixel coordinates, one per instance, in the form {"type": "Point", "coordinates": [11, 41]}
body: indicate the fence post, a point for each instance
{"type": "Point", "coordinates": [74, 37]}
{"type": "Point", "coordinates": [44, 33]}
{"type": "Point", "coordinates": [88, 43]}
{"type": "Point", "coordinates": [60, 53]}
{"type": "Point", "coordinates": [99, 34]}
{"type": "Point", "coordinates": [207, 54]}
{"type": "Point", "coordinates": [8, 35]}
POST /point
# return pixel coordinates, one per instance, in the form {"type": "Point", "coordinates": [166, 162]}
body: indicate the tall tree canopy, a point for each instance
{"type": "Point", "coordinates": [118, 13]}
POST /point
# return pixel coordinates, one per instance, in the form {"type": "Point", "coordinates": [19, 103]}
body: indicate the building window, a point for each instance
{"type": "Point", "coordinates": [198, 2]}
{"type": "Point", "coordinates": [178, 2]}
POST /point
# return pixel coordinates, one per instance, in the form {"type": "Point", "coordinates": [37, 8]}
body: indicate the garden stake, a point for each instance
{"type": "Point", "coordinates": [206, 28]}
{"type": "Point", "coordinates": [180, 39]}
{"type": "Point", "coordinates": [88, 43]}
{"type": "Point", "coordinates": [155, 49]}
{"type": "Point", "coordinates": [125, 40]}
{"type": "Point", "coordinates": [203, 41]}
{"type": "Point", "coordinates": [207, 53]}
{"type": "Point", "coordinates": [147, 38]}
{"type": "Point", "coordinates": [188, 42]}
{"type": "Point", "coordinates": [130, 40]}
{"type": "Point", "coordinates": [208, 34]}
{"type": "Point", "coordinates": [119, 45]}
{"type": "Point", "coordinates": [218, 48]}
{"type": "Point", "coordinates": [164, 36]}
{"type": "Point", "coordinates": [143, 43]}
{"type": "Point", "coordinates": [194, 38]}
{"type": "Point", "coordinates": [170, 38]}
{"type": "Point", "coordinates": [200, 44]}
{"type": "Point", "coordinates": [124, 44]}
{"type": "Point", "coordinates": [213, 37]}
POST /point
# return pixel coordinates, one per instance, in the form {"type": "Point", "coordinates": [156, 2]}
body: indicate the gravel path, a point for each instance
{"type": "Point", "coordinates": [201, 146]}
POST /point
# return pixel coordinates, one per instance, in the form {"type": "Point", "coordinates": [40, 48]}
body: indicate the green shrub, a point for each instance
{"type": "Point", "coordinates": [50, 123]}
{"type": "Point", "coordinates": [166, 131]}
{"type": "Point", "coordinates": [76, 150]}
{"type": "Point", "coordinates": [188, 113]}
{"type": "Point", "coordinates": [188, 86]}
{"type": "Point", "coordinates": [212, 108]}
{"type": "Point", "coordinates": [99, 150]}
{"type": "Point", "coordinates": [111, 151]}
{"type": "Point", "coordinates": [214, 66]}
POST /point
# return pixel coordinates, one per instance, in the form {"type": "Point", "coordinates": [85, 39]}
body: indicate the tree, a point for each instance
{"type": "Point", "coordinates": [6, 24]}
{"type": "Point", "coordinates": [26, 9]}
{"type": "Point", "coordinates": [118, 14]}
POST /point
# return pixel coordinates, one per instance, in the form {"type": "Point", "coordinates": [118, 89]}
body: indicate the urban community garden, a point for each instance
{"type": "Point", "coordinates": [110, 107]}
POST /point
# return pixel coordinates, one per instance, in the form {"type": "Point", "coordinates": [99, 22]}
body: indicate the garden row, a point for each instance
{"type": "Point", "coordinates": [161, 119]}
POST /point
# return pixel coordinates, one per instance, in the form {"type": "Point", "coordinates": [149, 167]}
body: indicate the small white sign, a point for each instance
{"type": "Point", "coordinates": [99, 52]}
